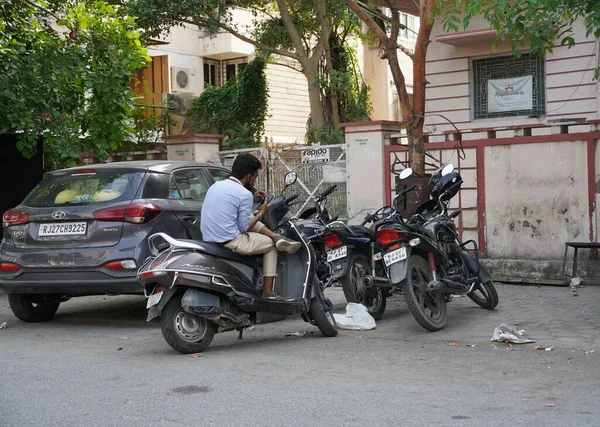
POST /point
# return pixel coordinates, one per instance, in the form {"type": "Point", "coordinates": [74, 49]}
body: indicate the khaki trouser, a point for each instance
{"type": "Point", "coordinates": [253, 243]}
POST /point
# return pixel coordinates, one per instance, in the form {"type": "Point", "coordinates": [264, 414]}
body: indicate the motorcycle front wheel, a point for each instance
{"type": "Point", "coordinates": [185, 332]}
{"type": "Point", "coordinates": [485, 295]}
{"type": "Point", "coordinates": [428, 309]}
{"type": "Point", "coordinates": [358, 287]}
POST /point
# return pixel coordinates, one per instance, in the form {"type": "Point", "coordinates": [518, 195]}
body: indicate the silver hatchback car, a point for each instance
{"type": "Point", "coordinates": [83, 231]}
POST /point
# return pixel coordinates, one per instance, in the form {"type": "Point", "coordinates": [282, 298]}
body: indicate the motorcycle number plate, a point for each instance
{"type": "Point", "coordinates": [154, 299]}
{"type": "Point", "coordinates": [337, 253]}
{"type": "Point", "coordinates": [394, 256]}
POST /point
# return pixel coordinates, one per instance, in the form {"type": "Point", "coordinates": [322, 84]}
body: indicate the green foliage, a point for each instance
{"type": "Point", "coordinates": [269, 35]}
{"type": "Point", "coordinates": [327, 135]}
{"type": "Point", "coordinates": [353, 93]}
{"type": "Point", "coordinates": [237, 110]}
{"type": "Point", "coordinates": [534, 23]}
{"type": "Point", "coordinates": [66, 67]}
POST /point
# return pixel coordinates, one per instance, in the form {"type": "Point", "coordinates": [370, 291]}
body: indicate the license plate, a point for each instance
{"type": "Point", "coordinates": [394, 256]}
{"type": "Point", "coordinates": [62, 229]}
{"type": "Point", "coordinates": [337, 253]}
{"type": "Point", "coordinates": [154, 299]}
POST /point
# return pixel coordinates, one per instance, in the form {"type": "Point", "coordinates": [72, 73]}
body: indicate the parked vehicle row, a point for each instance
{"type": "Point", "coordinates": [422, 256]}
{"type": "Point", "coordinates": [133, 227]}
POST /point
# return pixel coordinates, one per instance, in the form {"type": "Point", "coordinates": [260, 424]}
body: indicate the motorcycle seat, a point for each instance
{"type": "Point", "coordinates": [220, 251]}
{"type": "Point", "coordinates": [363, 231]}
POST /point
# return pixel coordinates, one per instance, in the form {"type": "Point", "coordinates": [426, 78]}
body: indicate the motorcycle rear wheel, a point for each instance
{"type": "Point", "coordinates": [185, 332]}
{"type": "Point", "coordinates": [428, 309]}
{"type": "Point", "coordinates": [485, 295]}
{"type": "Point", "coordinates": [322, 318]}
{"type": "Point", "coordinates": [357, 291]}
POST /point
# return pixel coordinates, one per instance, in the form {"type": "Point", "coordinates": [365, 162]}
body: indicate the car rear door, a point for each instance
{"type": "Point", "coordinates": [187, 190]}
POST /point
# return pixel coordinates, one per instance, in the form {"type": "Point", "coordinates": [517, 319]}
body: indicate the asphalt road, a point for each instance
{"type": "Point", "coordinates": [98, 363]}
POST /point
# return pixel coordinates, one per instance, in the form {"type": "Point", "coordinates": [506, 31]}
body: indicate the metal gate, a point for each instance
{"type": "Point", "coordinates": [315, 173]}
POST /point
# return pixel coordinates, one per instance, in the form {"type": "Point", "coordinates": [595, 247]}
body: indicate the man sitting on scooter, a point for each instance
{"type": "Point", "coordinates": [226, 218]}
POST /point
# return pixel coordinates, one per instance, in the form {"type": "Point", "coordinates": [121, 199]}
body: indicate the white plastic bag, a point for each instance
{"type": "Point", "coordinates": [356, 318]}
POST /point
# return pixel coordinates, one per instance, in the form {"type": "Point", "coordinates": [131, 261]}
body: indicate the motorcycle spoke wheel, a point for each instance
{"type": "Point", "coordinates": [358, 287]}
{"type": "Point", "coordinates": [428, 309]}
{"type": "Point", "coordinates": [485, 295]}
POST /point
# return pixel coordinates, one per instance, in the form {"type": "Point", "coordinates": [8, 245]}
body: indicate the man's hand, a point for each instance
{"type": "Point", "coordinates": [264, 208]}
{"type": "Point", "coordinates": [258, 195]}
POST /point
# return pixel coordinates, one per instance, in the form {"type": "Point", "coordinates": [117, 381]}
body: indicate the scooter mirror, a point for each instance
{"type": "Point", "coordinates": [290, 178]}
{"type": "Point", "coordinates": [449, 168]}
{"type": "Point", "coordinates": [406, 173]}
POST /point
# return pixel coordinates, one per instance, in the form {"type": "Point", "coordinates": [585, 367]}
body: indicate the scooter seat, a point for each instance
{"type": "Point", "coordinates": [221, 251]}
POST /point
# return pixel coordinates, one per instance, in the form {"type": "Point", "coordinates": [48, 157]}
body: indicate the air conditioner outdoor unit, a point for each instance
{"type": "Point", "coordinates": [182, 80]}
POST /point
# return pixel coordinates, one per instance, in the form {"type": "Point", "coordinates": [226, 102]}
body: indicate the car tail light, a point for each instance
{"type": "Point", "coordinates": [127, 264]}
{"type": "Point", "coordinates": [9, 266]}
{"type": "Point", "coordinates": [135, 214]}
{"type": "Point", "coordinates": [11, 218]}
{"type": "Point", "coordinates": [388, 235]}
{"type": "Point", "coordinates": [332, 240]}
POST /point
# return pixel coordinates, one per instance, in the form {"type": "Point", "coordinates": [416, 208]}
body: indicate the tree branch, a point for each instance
{"type": "Point", "coordinates": [42, 8]}
{"type": "Point", "coordinates": [302, 55]}
{"type": "Point", "coordinates": [383, 38]}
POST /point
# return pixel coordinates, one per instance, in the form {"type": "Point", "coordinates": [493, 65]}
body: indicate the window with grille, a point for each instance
{"type": "Point", "coordinates": [211, 72]}
{"type": "Point", "coordinates": [504, 67]}
{"type": "Point", "coordinates": [217, 73]}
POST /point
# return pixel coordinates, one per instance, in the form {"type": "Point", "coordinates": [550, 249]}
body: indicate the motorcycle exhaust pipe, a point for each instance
{"type": "Point", "coordinates": [446, 286]}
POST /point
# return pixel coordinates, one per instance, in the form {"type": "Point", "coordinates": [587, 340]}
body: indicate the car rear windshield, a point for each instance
{"type": "Point", "coordinates": [84, 189]}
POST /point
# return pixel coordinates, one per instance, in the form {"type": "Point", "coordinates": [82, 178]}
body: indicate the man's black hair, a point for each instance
{"type": "Point", "coordinates": [245, 164]}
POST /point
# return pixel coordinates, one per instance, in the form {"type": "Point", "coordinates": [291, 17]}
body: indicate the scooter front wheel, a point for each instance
{"type": "Point", "coordinates": [323, 318]}
{"type": "Point", "coordinates": [185, 332]}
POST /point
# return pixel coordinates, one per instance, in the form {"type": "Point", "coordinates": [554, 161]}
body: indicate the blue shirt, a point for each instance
{"type": "Point", "coordinates": [226, 211]}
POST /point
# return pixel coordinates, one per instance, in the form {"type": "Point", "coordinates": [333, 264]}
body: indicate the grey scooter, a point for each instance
{"type": "Point", "coordinates": [200, 288]}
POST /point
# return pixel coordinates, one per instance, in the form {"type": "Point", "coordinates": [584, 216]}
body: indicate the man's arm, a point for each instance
{"type": "Point", "coordinates": [245, 213]}
{"type": "Point", "coordinates": [263, 210]}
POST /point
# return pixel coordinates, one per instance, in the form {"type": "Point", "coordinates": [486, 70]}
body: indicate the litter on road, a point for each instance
{"type": "Point", "coordinates": [505, 333]}
{"type": "Point", "coordinates": [356, 318]}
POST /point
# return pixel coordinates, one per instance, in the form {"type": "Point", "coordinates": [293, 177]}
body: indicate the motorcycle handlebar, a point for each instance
{"type": "Point", "coordinates": [367, 219]}
{"type": "Point", "coordinates": [407, 190]}
{"type": "Point", "coordinates": [327, 192]}
{"type": "Point", "coordinates": [454, 214]}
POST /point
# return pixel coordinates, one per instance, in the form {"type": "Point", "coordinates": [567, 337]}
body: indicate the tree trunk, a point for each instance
{"type": "Point", "coordinates": [321, 7]}
{"type": "Point", "coordinates": [416, 149]}
{"type": "Point", "coordinates": [317, 114]}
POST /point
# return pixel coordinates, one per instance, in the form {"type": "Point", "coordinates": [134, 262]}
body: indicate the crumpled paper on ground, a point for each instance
{"type": "Point", "coordinates": [356, 318]}
{"type": "Point", "coordinates": [505, 333]}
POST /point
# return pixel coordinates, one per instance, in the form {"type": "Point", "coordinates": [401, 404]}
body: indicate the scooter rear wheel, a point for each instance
{"type": "Point", "coordinates": [185, 332]}
{"type": "Point", "coordinates": [323, 319]}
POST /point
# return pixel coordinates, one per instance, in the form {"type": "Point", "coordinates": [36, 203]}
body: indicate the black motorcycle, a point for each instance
{"type": "Point", "coordinates": [200, 288]}
{"type": "Point", "coordinates": [355, 256]}
{"type": "Point", "coordinates": [425, 258]}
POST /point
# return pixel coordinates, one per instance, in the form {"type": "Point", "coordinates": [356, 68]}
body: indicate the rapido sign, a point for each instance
{"type": "Point", "coordinates": [316, 154]}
